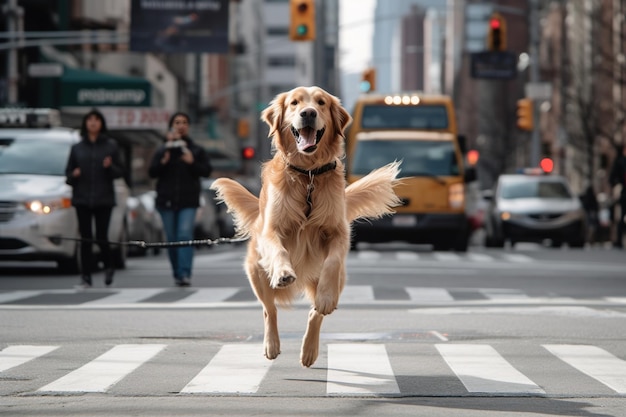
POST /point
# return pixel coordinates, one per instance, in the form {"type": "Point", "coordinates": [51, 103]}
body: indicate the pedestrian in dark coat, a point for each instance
{"type": "Point", "coordinates": [93, 165]}
{"type": "Point", "coordinates": [618, 177]}
{"type": "Point", "coordinates": [178, 166]}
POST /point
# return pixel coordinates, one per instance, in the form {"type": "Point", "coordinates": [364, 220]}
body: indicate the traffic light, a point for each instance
{"type": "Point", "coordinates": [525, 114]}
{"type": "Point", "coordinates": [302, 23]}
{"type": "Point", "coordinates": [248, 152]}
{"type": "Point", "coordinates": [496, 35]}
{"type": "Point", "coordinates": [472, 157]}
{"type": "Point", "coordinates": [368, 80]}
{"type": "Point", "coordinates": [547, 165]}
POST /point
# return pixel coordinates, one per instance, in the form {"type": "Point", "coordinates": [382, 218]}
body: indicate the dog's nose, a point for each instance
{"type": "Point", "coordinates": [308, 113]}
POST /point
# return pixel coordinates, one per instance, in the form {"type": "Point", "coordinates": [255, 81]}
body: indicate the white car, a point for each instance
{"type": "Point", "coordinates": [35, 202]}
{"type": "Point", "coordinates": [533, 208]}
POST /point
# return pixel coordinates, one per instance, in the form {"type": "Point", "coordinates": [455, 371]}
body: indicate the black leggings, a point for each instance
{"type": "Point", "coordinates": [86, 217]}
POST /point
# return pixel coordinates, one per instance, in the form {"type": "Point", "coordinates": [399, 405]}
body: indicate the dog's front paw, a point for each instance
{"type": "Point", "coordinates": [272, 349]}
{"type": "Point", "coordinates": [308, 355]}
{"type": "Point", "coordinates": [325, 305]}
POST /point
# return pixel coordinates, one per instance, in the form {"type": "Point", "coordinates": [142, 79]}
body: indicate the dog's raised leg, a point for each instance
{"type": "Point", "coordinates": [261, 286]}
{"type": "Point", "coordinates": [275, 260]}
{"type": "Point", "coordinates": [311, 339]}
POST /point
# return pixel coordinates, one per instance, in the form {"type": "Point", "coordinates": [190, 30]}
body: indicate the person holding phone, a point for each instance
{"type": "Point", "coordinates": [92, 166]}
{"type": "Point", "coordinates": [178, 166]}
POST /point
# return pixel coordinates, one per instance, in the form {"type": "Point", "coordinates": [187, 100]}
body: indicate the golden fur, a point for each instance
{"type": "Point", "coordinates": [294, 249]}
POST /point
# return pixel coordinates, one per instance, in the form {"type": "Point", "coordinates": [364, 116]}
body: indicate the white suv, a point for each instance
{"type": "Point", "coordinates": [35, 202]}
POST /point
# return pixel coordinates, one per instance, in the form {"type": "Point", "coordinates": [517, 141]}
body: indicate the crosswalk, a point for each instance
{"type": "Point", "coordinates": [218, 297]}
{"type": "Point", "coordinates": [343, 369]}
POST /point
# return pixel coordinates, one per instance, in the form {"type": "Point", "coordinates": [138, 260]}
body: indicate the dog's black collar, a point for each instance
{"type": "Point", "coordinates": [324, 168]}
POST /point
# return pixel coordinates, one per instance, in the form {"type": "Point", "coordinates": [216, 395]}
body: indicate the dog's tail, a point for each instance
{"type": "Point", "coordinates": [372, 196]}
{"type": "Point", "coordinates": [241, 203]}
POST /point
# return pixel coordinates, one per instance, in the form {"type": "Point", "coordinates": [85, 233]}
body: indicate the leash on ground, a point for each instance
{"type": "Point", "coordinates": [147, 245]}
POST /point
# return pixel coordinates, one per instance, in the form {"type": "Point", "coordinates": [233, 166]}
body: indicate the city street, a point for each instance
{"type": "Point", "coordinates": [524, 331]}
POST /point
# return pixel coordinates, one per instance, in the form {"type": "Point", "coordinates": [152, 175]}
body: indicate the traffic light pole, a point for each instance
{"type": "Point", "coordinates": [535, 142]}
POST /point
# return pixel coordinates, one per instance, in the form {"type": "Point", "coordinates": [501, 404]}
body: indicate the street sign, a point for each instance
{"type": "Point", "coordinates": [45, 69]}
{"type": "Point", "coordinates": [538, 91]}
{"type": "Point", "coordinates": [500, 65]}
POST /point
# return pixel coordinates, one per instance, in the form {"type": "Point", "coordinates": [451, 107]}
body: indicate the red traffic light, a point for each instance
{"type": "Point", "coordinates": [248, 152]}
{"type": "Point", "coordinates": [547, 165]}
{"type": "Point", "coordinates": [494, 23]}
{"type": "Point", "coordinates": [472, 157]}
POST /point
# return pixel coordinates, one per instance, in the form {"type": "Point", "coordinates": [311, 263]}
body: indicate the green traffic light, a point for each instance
{"type": "Point", "coordinates": [302, 30]}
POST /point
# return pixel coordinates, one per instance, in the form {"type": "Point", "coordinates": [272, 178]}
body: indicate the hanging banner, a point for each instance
{"type": "Point", "coordinates": [179, 26]}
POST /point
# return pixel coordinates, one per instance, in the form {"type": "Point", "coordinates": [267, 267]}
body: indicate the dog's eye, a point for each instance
{"type": "Point", "coordinates": [294, 102]}
{"type": "Point", "coordinates": [321, 102]}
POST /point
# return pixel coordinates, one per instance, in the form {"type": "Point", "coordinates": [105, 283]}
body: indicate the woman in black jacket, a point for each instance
{"type": "Point", "coordinates": [93, 164]}
{"type": "Point", "coordinates": [178, 165]}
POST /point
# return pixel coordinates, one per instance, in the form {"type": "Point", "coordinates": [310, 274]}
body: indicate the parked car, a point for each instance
{"type": "Point", "coordinates": [532, 208]}
{"type": "Point", "coordinates": [207, 226]}
{"type": "Point", "coordinates": [144, 222]}
{"type": "Point", "coordinates": [37, 220]}
{"type": "Point", "coordinates": [225, 223]}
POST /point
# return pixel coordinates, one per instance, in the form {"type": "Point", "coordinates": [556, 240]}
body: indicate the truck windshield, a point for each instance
{"type": "Point", "coordinates": [33, 156]}
{"type": "Point", "coordinates": [419, 158]}
{"type": "Point", "coordinates": [380, 116]}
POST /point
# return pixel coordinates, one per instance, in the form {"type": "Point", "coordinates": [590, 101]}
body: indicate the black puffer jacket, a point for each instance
{"type": "Point", "coordinates": [94, 187]}
{"type": "Point", "coordinates": [178, 183]}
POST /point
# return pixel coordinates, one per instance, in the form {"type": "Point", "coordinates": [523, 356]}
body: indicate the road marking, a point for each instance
{"type": "Point", "coordinates": [407, 256]}
{"type": "Point", "coordinates": [13, 356]}
{"type": "Point", "coordinates": [209, 295]}
{"type": "Point", "coordinates": [127, 295]}
{"type": "Point", "coordinates": [368, 255]}
{"type": "Point", "coordinates": [594, 362]}
{"type": "Point", "coordinates": [356, 369]}
{"type": "Point", "coordinates": [104, 371]}
{"type": "Point", "coordinates": [619, 300]}
{"type": "Point", "coordinates": [446, 257]}
{"type": "Point", "coordinates": [482, 370]}
{"type": "Point", "coordinates": [503, 294]}
{"type": "Point", "coordinates": [424, 295]}
{"type": "Point", "coordinates": [7, 297]}
{"type": "Point", "coordinates": [237, 368]}
{"type": "Point", "coordinates": [357, 294]}
{"type": "Point", "coordinates": [517, 258]}
{"type": "Point", "coordinates": [479, 257]}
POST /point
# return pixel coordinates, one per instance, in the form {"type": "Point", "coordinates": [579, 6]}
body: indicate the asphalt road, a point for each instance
{"type": "Point", "coordinates": [525, 332]}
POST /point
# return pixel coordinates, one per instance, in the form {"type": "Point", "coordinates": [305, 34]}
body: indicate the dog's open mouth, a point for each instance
{"type": "Point", "coordinates": [307, 138]}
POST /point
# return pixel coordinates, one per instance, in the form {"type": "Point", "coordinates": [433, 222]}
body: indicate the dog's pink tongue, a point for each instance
{"type": "Point", "coordinates": [307, 138]}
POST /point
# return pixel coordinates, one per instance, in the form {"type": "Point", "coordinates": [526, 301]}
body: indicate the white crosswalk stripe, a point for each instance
{"type": "Point", "coordinates": [359, 369]}
{"type": "Point", "coordinates": [104, 371]}
{"type": "Point", "coordinates": [595, 362]}
{"type": "Point", "coordinates": [481, 369]}
{"type": "Point", "coordinates": [351, 369]}
{"type": "Point", "coordinates": [235, 369]}
{"type": "Point", "coordinates": [13, 356]}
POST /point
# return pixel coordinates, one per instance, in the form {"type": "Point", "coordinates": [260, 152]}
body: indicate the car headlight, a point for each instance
{"type": "Point", "coordinates": [456, 195]}
{"type": "Point", "coordinates": [47, 207]}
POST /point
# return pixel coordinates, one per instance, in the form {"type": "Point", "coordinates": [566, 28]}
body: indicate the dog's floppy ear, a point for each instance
{"type": "Point", "coordinates": [341, 117]}
{"type": "Point", "coordinates": [273, 114]}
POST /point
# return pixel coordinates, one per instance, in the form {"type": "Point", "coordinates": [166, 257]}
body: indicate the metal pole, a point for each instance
{"type": "Point", "coordinates": [535, 143]}
{"type": "Point", "coordinates": [13, 13]}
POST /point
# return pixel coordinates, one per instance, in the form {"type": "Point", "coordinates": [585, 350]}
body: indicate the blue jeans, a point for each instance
{"type": "Point", "coordinates": [179, 226]}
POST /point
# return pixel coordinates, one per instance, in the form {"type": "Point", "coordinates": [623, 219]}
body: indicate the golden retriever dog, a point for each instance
{"type": "Point", "coordinates": [299, 226]}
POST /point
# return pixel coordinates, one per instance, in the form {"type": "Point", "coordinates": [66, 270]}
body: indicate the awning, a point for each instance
{"type": "Point", "coordinates": [86, 88]}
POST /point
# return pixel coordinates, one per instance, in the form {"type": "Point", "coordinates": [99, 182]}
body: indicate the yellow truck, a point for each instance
{"type": "Point", "coordinates": [419, 130]}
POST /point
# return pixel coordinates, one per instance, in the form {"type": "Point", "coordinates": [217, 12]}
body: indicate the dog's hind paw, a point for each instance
{"type": "Point", "coordinates": [284, 281]}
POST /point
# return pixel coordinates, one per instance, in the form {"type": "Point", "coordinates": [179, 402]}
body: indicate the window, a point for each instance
{"type": "Point", "coordinates": [419, 158]}
{"type": "Point", "coordinates": [534, 189]}
{"type": "Point", "coordinates": [404, 117]}
{"type": "Point", "coordinates": [278, 31]}
{"type": "Point", "coordinates": [41, 157]}
{"type": "Point", "coordinates": [281, 61]}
